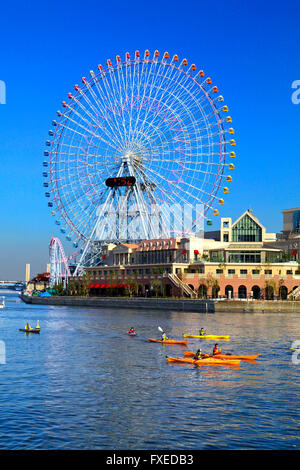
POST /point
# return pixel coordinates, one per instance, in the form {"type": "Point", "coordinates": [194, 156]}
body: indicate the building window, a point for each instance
{"type": "Point", "coordinates": [296, 220]}
{"type": "Point", "coordinates": [273, 257]}
{"type": "Point", "coordinates": [244, 257]}
{"type": "Point", "coordinates": [255, 271]}
{"type": "Point", "coordinates": [246, 230]}
{"type": "Point", "coordinates": [225, 237]}
{"type": "Point", "coordinates": [231, 271]}
{"type": "Point", "coordinates": [225, 223]}
{"type": "Point", "coordinates": [289, 271]}
{"type": "Point", "coordinates": [243, 271]}
{"type": "Point", "coordinates": [268, 271]}
{"type": "Point", "coordinates": [219, 271]}
{"type": "Point", "coordinates": [217, 256]}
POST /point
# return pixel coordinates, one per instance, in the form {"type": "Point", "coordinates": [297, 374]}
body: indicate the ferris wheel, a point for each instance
{"type": "Point", "coordinates": [143, 143]}
{"type": "Point", "coordinates": [59, 268]}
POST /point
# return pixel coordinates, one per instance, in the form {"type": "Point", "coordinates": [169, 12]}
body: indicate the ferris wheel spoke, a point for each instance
{"type": "Point", "coordinates": [107, 96]}
{"type": "Point", "coordinates": [88, 132]}
{"type": "Point", "coordinates": [91, 117]}
{"type": "Point", "coordinates": [106, 108]}
{"type": "Point", "coordinates": [169, 84]}
{"type": "Point", "coordinates": [106, 111]}
{"type": "Point", "coordinates": [172, 184]}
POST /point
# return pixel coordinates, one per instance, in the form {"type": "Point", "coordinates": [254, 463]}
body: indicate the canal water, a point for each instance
{"type": "Point", "coordinates": [83, 383]}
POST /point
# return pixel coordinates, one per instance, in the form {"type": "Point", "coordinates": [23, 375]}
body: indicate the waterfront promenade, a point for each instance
{"type": "Point", "coordinates": [188, 305]}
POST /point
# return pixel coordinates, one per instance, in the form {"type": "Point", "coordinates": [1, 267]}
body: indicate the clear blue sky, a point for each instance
{"type": "Point", "coordinates": [249, 48]}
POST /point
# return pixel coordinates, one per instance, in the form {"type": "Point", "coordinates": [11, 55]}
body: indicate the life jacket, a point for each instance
{"type": "Point", "coordinates": [216, 351]}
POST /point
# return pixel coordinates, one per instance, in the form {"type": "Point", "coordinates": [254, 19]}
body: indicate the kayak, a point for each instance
{"type": "Point", "coordinates": [32, 330]}
{"type": "Point", "coordinates": [132, 334]}
{"type": "Point", "coordinates": [210, 361]}
{"type": "Point", "coordinates": [242, 357]}
{"type": "Point", "coordinates": [168, 341]}
{"type": "Point", "coordinates": [207, 336]}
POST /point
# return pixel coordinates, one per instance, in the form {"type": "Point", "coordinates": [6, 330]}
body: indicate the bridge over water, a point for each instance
{"type": "Point", "coordinates": [14, 285]}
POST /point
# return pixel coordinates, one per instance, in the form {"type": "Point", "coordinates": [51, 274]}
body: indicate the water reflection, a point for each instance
{"type": "Point", "coordinates": [83, 383]}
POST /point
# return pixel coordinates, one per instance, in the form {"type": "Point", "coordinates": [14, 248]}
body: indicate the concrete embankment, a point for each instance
{"type": "Point", "coordinates": [187, 305]}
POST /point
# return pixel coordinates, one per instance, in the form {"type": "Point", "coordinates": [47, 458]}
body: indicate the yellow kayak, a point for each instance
{"type": "Point", "coordinates": [207, 336]}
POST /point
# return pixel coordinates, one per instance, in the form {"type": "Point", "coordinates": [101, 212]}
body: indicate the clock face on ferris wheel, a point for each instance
{"type": "Point", "coordinates": [147, 130]}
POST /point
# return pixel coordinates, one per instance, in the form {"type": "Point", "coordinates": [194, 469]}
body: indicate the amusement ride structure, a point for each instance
{"type": "Point", "coordinates": [143, 143]}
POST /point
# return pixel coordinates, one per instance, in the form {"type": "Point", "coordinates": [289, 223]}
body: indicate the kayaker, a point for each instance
{"type": "Point", "coordinates": [37, 326]}
{"type": "Point", "coordinates": [216, 350]}
{"type": "Point", "coordinates": [164, 336]}
{"type": "Point", "coordinates": [202, 332]}
{"type": "Point", "coordinates": [131, 331]}
{"type": "Point", "coordinates": [27, 327]}
{"type": "Point", "coordinates": [198, 355]}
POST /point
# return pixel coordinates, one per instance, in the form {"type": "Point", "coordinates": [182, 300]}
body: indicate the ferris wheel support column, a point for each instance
{"type": "Point", "coordinates": [102, 211]}
{"type": "Point", "coordinates": [88, 244]}
{"type": "Point", "coordinates": [139, 198]}
{"type": "Point", "coordinates": [149, 231]}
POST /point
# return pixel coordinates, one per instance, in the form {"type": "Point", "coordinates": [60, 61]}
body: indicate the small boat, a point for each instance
{"type": "Point", "coordinates": [242, 357]}
{"type": "Point", "coordinates": [210, 361]}
{"type": "Point", "coordinates": [28, 328]}
{"type": "Point", "coordinates": [168, 341]}
{"type": "Point", "coordinates": [31, 330]}
{"type": "Point", "coordinates": [207, 336]}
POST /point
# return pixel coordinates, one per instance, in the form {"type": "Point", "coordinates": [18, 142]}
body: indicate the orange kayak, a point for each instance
{"type": "Point", "coordinates": [168, 341]}
{"type": "Point", "coordinates": [242, 357]}
{"type": "Point", "coordinates": [210, 361]}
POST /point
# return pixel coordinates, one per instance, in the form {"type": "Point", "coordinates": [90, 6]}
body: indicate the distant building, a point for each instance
{"type": "Point", "coordinates": [291, 221]}
{"type": "Point", "coordinates": [39, 282]}
{"type": "Point", "coordinates": [27, 273]}
{"type": "Point", "coordinates": [289, 240]}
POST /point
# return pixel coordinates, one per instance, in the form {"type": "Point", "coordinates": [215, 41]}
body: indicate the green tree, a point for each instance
{"type": "Point", "coordinates": [85, 282]}
{"type": "Point", "coordinates": [157, 285]}
{"type": "Point", "coordinates": [58, 288]}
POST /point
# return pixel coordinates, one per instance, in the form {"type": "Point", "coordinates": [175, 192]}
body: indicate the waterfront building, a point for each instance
{"type": "Point", "coordinates": [289, 239]}
{"type": "Point", "coordinates": [39, 283]}
{"type": "Point", "coordinates": [241, 260]}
